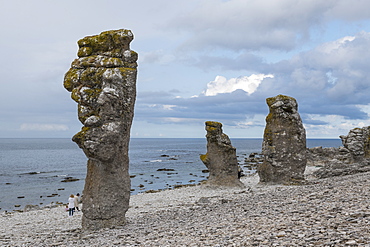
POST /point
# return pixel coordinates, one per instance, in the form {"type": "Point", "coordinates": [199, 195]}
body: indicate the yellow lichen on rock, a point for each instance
{"type": "Point", "coordinates": [71, 79]}
{"type": "Point", "coordinates": [113, 42]}
{"type": "Point", "coordinates": [203, 157]}
{"type": "Point", "coordinates": [91, 94]}
{"type": "Point", "coordinates": [75, 94]}
{"type": "Point", "coordinates": [79, 137]}
{"type": "Point", "coordinates": [214, 124]}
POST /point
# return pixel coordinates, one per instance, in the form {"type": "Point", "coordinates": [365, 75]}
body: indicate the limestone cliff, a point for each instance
{"type": "Point", "coordinates": [102, 80]}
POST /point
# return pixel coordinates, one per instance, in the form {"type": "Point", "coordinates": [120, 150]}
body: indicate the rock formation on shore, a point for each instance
{"type": "Point", "coordinates": [352, 157]}
{"type": "Point", "coordinates": [284, 143]}
{"type": "Point", "coordinates": [220, 158]}
{"type": "Point", "coordinates": [102, 81]}
{"type": "Point", "coordinates": [358, 143]}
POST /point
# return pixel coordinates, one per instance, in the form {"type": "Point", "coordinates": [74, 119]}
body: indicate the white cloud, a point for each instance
{"type": "Point", "coordinates": [249, 84]}
{"type": "Point", "coordinates": [168, 107]}
{"type": "Point", "coordinates": [173, 119]}
{"type": "Point", "coordinates": [336, 125]}
{"type": "Point", "coordinates": [334, 45]}
{"type": "Point", "coordinates": [43, 127]}
{"type": "Point", "coordinates": [245, 124]}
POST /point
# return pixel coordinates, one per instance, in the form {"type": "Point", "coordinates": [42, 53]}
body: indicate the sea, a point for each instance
{"type": "Point", "coordinates": [46, 171]}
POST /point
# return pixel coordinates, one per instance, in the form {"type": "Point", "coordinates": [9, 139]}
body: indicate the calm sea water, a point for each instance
{"type": "Point", "coordinates": [32, 170]}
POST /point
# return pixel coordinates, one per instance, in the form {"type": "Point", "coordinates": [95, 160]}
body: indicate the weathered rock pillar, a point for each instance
{"type": "Point", "coordinates": [284, 143]}
{"type": "Point", "coordinates": [103, 83]}
{"type": "Point", "coordinates": [358, 143]}
{"type": "Point", "coordinates": [220, 158]}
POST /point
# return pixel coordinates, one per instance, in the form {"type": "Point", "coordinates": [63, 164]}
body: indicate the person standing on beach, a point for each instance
{"type": "Point", "coordinates": [71, 205]}
{"type": "Point", "coordinates": [77, 201]}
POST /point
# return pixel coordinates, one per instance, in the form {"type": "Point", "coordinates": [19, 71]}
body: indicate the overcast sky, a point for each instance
{"type": "Point", "coordinates": [199, 60]}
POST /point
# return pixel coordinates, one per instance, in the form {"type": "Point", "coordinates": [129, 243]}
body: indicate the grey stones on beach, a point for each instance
{"type": "Point", "coordinates": [324, 212]}
{"type": "Point", "coordinates": [220, 158]}
{"type": "Point", "coordinates": [28, 208]}
{"type": "Point", "coordinates": [102, 81]}
{"type": "Point", "coordinates": [284, 143]}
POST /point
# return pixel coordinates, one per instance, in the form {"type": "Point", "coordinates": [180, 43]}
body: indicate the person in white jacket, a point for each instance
{"type": "Point", "coordinates": [71, 205]}
{"type": "Point", "coordinates": [77, 201]}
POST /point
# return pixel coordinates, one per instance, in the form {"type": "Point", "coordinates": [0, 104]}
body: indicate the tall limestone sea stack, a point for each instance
{"type": "Point", "coordinates": [102, 81]}
{"type": "Point", "coordinates": [220, 158]}
{"type": "Point", "coordinates": [284, 143]}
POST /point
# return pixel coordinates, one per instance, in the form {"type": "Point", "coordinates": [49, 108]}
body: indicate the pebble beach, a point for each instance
{"type": "Point", "coordinates": [324, 212]}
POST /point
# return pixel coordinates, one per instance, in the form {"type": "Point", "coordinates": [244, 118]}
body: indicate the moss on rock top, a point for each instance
{"type": "Point", "coordinates": [113, 42]}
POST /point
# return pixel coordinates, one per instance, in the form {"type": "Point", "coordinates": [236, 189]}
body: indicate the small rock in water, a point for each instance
{"type": "Point", "coordinates": [70, 179]}
{"type": "Point", "coordinates": [165, 169]}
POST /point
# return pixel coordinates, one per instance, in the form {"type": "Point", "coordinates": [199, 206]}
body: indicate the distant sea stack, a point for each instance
{"type": "Point", "coordinates": [284, 143]}
{"type": "Point", "coordinates": [220, 158]}
{"type": "Point", "coordinates": [102, 81]}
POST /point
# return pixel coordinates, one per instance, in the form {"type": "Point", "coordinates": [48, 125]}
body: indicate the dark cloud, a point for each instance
{"type": "Point", "coordinates": [329, 80]}
{"type": "Point", "coordinates": [228, 107]}
{"type": "Point", "coordinates": [254, 25]}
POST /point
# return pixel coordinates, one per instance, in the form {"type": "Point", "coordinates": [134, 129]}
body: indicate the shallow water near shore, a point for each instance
{"type": "Point", "coordinates": [32, 171]}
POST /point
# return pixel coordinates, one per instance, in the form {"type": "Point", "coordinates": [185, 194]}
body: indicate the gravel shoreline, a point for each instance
{"type": "Point", "coordinates": [325, 212]}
